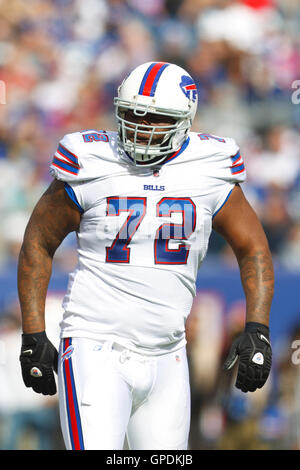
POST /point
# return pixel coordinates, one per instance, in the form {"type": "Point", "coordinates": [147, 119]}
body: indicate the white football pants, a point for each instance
{"type": "Point", "coordinates": [107, 391]}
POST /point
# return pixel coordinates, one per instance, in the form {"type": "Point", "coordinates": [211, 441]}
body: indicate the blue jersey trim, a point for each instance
{"type": "Point", "coordinates": [236, 157]}
{"type": "Point", "coordinates": [168, 158]}
{"type": "Point", "coordinates": [237, 169]}
{"type": "Point", "coordinates": [69, 167]}
{"type": "Point", "coordinates": [227, 197]}
{"type": "Point", "coordinates": [72, 195]}
{"type": "Point", "coordinates": [67, 154]}
{"type": "Point", "coordinates": [179, 152]}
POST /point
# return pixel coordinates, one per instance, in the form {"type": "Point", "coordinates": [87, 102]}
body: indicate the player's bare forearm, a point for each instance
{"type": "Point", "coordinates": [257, 276]}
{"type": "Point", "coordinates": [52, 219]}
{"type": "Point", "coordinates": [34, 272]}
{"type": "Point", "coordinates": [239, 225]}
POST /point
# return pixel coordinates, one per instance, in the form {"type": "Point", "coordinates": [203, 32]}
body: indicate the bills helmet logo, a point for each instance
{"type": "Point", "coordinates": [188, 87]}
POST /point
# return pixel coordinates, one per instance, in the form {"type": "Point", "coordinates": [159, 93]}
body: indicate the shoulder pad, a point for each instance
{"type": "Point", "coordinates": [79, 155]}
{"type": "Point", "coordinates": [222, 157]}
{"type": "Point", "coordinates": [231, 163]}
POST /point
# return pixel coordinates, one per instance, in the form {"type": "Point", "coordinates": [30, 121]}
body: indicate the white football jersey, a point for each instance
{"type": "Point", "coordinates": [143, 235]}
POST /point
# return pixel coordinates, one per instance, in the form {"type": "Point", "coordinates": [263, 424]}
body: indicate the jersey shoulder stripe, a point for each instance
{"type": "Point", "coordinates": [65, 160]}
{"type": "Point", "coordinates": [237, 169]}
{"type": "Point", "coordinates": [67, 154]}
{"type": "Point", "coordinates": [236, 158]}
{"type": "Point", "coordinates": [238, 165]}
{"type": "Point", "coordinates": [65, 166]}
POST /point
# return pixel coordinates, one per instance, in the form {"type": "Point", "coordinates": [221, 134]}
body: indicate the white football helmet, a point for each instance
{"type": "Point", "coordinates": [157, 88]}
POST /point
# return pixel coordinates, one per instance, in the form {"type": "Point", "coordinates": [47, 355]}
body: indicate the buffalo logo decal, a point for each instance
{"type": "Point", "coordinates": [188, 87]}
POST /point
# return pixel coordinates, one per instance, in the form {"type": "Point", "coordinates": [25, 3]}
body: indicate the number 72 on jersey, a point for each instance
{"type": "Point", "coordinates": [119, 251]}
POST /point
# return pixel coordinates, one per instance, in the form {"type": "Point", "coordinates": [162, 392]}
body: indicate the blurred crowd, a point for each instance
{"type": "Point", "coordinates": [61, 62]}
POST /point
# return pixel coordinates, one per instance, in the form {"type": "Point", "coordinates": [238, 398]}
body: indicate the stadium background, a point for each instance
{"type": "Point", "coordinates": [60, 64]}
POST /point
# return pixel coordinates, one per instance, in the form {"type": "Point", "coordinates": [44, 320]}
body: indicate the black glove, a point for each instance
{"type": "Point", "coordinates": [38, 360]}
{"type": "Point", "coordinates": [254, 351]}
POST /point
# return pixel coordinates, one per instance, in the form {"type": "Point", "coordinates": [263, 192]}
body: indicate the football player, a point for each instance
{"type": "Point", "coordinates": [142, 201]}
